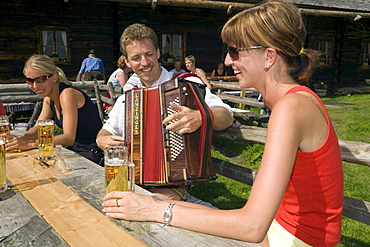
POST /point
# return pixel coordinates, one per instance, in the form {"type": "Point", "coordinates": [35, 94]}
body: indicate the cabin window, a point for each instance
{"type": "Point", "coordinates": [54, 44]}
{"type": "Point", "coordinates": [326, 49]}
{"type": "Point", "coordinates": [365, 53]}
{"type": "Point", "coordinates": [171, 48]}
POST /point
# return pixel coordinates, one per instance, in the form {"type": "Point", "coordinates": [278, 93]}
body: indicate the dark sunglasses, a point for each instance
{"type": "Point", "coordinates": [38, 80]}
{"type": "Point", "coordinates": [234, 51]}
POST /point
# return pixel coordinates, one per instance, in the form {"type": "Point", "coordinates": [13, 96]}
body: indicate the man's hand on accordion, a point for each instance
{"type": "Point", "coordinates": [184, 121]}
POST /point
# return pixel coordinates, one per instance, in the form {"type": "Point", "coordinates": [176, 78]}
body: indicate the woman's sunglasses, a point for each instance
{"type": "Point", "coordinates": [234, 51]}
{"type": "Point", "coordinates": [38, 80]}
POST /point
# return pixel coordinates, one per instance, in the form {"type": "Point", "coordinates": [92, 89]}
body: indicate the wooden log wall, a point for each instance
{"type": "Point", "coordinates": [89, 26]}
{"type": "Point", "coordinates": [99, 24]}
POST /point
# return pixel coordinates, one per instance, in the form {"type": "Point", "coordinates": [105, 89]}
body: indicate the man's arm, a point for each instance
{"type": "Point", "coordinates": [222, 118]}
{"type": "Point", "coordinates": [105, 139]}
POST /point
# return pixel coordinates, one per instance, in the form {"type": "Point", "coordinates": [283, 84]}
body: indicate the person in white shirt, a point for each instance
{"type": "Point", "coordinates": [139, 45]}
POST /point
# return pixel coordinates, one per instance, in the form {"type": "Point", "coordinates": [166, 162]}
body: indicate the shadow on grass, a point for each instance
{"type": "Point", "coordinates": [217, 194]}
{"type": "Point", "coordinates": [229, 148]}
{"type": "Point", "coordinates": [352, 242]}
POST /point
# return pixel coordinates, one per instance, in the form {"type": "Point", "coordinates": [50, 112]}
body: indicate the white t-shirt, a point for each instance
{"type": "Point", "coordinates": [113, 79]}
{"type": "Point", "coordinates": [116, 121]}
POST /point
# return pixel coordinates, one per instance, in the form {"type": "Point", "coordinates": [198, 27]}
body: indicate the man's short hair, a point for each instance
{"type": "Point", "coordinates": [137, 32]}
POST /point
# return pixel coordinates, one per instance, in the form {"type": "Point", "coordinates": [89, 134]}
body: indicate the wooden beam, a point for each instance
{"type": "Point", "coordinates": [230, 7]}
{"type": "Point", "coordinates": [241, 100]}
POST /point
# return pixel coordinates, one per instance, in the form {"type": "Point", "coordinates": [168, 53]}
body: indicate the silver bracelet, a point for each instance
{"type": "Point", "coordinates": [167, 216]}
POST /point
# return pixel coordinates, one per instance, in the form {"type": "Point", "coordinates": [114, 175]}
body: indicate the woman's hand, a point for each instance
{"type": "Point", "coordinates": [16, 143]}
{"type": "Point", "coordinates": [132, 206]}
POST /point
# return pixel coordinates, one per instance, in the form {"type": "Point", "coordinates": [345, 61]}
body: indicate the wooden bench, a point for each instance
{"type": "Point", "coordinates": [247, 117]}
{"type": "Point", "coordinates": [353, 152]}
{"type": "Point", "coordinates": [21, 93]}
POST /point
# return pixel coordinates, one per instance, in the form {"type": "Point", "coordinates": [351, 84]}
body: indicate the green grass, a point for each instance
{"type": "Point", "coordinates": [351, 120]}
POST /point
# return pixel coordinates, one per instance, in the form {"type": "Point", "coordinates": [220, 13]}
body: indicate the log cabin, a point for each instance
{"type": "Point", "coordinates": [67, 29]}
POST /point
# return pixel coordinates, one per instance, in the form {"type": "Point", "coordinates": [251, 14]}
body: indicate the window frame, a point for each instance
{"type": "Point", "coordinates": [326, 47]}
{"type": "Point", "coordinates": [165, 59]}
{"type": "Point", "coordinates": [364, 57]}
{"type": "Point", "coordinates": [56, 47]}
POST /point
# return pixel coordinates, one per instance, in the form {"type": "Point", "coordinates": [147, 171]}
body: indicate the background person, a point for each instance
{"type": "Point", "coordinates": [92, 68]}
{"type": "Point", "coordinates": [297, 195]}
{"type": "Point", "coordinates": [71, 109]}
{"type": "Point", "coordinates": [139, 45]}
{"type": "Point", "coordinates": [220, 70]}
{"type": "Point", "coordinates": [177, 67]}
{"type": "Point", "coordinates": [120, 76]}
{"type": "Point", "coordinates": [190, 65]}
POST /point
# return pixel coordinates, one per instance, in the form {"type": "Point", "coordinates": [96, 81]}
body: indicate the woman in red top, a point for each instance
{"type": "Point", "coordinates": [297, 196]}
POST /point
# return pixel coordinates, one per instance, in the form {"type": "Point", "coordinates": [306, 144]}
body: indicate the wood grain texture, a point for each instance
{"type": "Point", "coordinates": [87, 182]}
{"type": "Point", "coordinates": [73, 218]}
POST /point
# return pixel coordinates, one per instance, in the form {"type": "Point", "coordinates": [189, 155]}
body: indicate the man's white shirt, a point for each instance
{"type": "Point", "coordinates": [116, 121]}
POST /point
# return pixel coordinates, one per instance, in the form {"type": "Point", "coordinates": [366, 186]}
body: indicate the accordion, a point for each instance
{"type": "Point", "coordinates": [163, 157]}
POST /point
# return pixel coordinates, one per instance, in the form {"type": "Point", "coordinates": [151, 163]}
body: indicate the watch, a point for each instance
{"type": "Point", "coordinates": [167, 216]}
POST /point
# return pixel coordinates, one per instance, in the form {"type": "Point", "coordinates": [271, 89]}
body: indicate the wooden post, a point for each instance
{"type": "Point", "coordinates": [99, 104]}
{"type": "Point", "coordinates": [242, 94]}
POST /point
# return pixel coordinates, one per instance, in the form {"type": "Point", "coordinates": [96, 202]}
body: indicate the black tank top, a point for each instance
{"type": "Point", "coordinates": [89, 122]}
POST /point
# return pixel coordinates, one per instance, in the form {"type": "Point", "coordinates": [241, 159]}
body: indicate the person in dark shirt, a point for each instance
{"type": "Point", "coordinates": [71, 109]}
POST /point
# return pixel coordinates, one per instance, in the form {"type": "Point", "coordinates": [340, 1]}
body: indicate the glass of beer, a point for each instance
{"type": "Point", "coordinates": [4, 125]}
{"type": "Point", "coordinates": [116, 169]}
{"type": "Point", "coordinates": [46, 138]}
{"type": "Point", "coordinates": [3, 185]}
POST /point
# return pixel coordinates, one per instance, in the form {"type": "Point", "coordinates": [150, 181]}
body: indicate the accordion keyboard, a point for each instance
{"type": "Point", "coordinates": [174, 140]}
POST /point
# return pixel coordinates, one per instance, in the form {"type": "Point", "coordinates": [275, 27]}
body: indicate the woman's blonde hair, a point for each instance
{"type": "Point", "coordinates": [191, 58]}
{"type": "Point", "coordinates": [46, 64]}
{"type": "Point", "coordinates": [277, 24]}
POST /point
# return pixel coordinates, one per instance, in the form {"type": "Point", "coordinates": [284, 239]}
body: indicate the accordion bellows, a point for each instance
{"type": "Point", "coordinates": [164, 157]}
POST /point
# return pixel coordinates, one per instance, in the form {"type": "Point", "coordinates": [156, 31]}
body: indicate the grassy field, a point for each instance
{"type": "Point", "coordinates": [351, 118]}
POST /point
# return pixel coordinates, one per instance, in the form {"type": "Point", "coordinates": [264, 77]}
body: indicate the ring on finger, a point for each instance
{"type": "Point", "coordinates": [117, 205]}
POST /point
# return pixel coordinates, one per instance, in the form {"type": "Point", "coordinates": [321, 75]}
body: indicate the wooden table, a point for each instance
{"type": "Point", "coordinates": [43, 208]}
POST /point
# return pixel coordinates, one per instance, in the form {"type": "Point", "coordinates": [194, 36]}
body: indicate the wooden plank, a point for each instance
{"type": "Point", "coordinates": [20, 98]}
{"type": "Point", "coordinates": [226, 85]}
{"type": "Point", "coordinates": [236, 172]}
{"type": "Point", "coordinates": [240, 100]}
{"type": "Point", "coordinates": [353, 152]}
{"type": "Point", "coordinates": [357, 210]}
{"type": "Point", "coordinates": [87, 181]}
{"type": "Point", "coordinates": [29, 228]}
{"type": "Point", "coordinates": [73, 218]}
{"type": "Point", "coordinates": [228, 6]}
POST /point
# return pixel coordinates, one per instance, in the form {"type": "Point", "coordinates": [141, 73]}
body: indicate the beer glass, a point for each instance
{"type": "Point", "coordinates": [3, 185]}
{"type": "Point", "coordinates": [46, 138]}
{"type": "Point", "coordinates": [4, 125]}
{"type": "Point", "coordinates": [117, 169]}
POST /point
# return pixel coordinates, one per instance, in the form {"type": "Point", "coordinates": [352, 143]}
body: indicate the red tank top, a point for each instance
{"type": "Point", "coordinates": [312, 205]}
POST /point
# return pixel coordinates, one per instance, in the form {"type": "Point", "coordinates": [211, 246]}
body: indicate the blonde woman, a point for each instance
{"type": "Point", "coordinates": [71, 109]}
{"type": "Point", "coordinates": [190, 65]}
